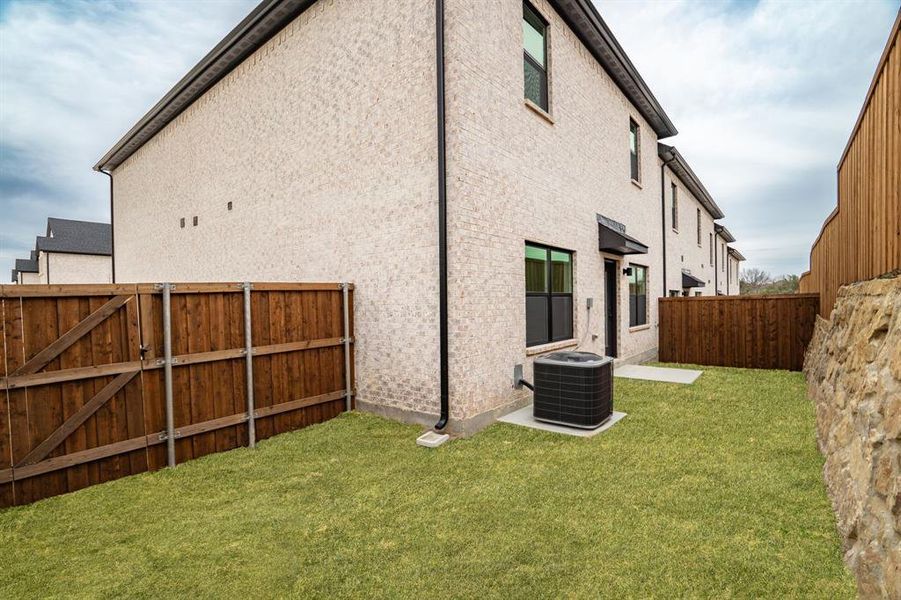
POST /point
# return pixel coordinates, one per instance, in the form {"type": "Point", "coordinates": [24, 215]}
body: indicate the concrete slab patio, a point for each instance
{"type": "Point", "coordinates": [663, 374]}
{"type": "Point", "coordinates": [524, 418]}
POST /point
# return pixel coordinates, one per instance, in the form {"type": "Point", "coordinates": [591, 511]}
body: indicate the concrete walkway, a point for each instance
{"type": "Point", "coordinates": [524, 418]}
{"type": "Point", "coordinates": [663, 374]}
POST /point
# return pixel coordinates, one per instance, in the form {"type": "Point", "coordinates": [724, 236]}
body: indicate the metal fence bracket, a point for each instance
{"type": "Point", "coordinates": [346, 340]}
{"type": "Point", "coordinates": [248, 366]}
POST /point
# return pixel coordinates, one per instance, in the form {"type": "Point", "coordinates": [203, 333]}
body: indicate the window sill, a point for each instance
{"type": "Point", "coordinates": [542, 348]}
{"type": "Point", "coordinates": [637, 184]}
{"type": "Point", "coordinates": [539, 111]}
{"type": "Point", "coordinates": [639, 328]}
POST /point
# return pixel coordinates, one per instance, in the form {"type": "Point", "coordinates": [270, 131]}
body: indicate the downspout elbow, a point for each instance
{"type": "Point", "coordinates": [112, 228]}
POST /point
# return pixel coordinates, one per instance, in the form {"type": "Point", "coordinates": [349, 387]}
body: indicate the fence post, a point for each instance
{"type": "Point", "coordinates": [348, 392]}
{"type": "Point", "coordinates": [167, 371]}
{"type": "Point", "coordinates": [248, 364]}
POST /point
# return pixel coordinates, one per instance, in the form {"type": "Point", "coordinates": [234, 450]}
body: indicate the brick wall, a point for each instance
{"type": "Point", "coordinates": [514, 176]}
{"type": "Point", "coordinates": [682, 250]}
{"type": "Point", "coordinates": [78, 268]}
{"type": "Point", "coordinates": [324, 143]}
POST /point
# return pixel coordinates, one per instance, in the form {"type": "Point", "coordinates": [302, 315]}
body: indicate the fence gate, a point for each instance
{"type": "Point", "coordinates": [74, 401]}
{"type": "Point", "coordinates": [84, 375]}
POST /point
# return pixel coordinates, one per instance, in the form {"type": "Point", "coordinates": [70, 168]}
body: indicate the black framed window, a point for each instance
{"type": "Point", "coordinates": [673, 192]}
{"type": "Point", "coordinates": [534, 55]}
{"type": "Point", "coordinates": [711, 249]}
{"type": "Point", "coordinates": [638, 296]}
{"type": "Point", "coordinates": [723, 255]}
{"type": "Point", "coordinates": [549, 294]}
{"type": "Point", "coordinates": [699, 226]}
{"type": "Point", "coordinates": [634, 149]}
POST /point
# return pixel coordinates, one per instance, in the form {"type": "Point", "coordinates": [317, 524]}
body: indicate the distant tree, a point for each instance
{"type": "Point", "coordinates": [751, 281]}
{"type": "Point", "coordinates": [758, 281]}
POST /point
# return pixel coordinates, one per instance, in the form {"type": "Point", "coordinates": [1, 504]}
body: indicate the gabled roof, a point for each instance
{"type": "Point", "coordinates": [736, 254]}
{"type": "Point", "coordinates": [679, 166]}
{"type": "Point", "coordinates": [25, 265]}
{"type": "Point", "coordinates": [76, 237]}
{"type": "Point", "coordinates": [271, 16]}
{"type": "Point", "coordinates": [723, 232]}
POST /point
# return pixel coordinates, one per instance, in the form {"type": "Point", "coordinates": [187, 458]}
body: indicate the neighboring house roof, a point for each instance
{"type": "Point", "coordinates": [736, 254]}
{"type": "Point", "coordinates": [271, 16]}
{"type": "Point", "coordinates": [76, 237]}
{"type": "Point", "coordinates": [25, 265]}
{"type": "Point", "coordinates": [678, 165]}
{"type": "Point", "coordinates": [723, 232]}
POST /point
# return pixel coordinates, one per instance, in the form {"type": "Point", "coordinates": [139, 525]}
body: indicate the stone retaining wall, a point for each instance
{"type": "Point", "coordinates": [853, 368]}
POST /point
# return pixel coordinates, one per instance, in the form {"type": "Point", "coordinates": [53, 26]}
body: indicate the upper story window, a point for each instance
{"type": "Point", "coordinates": [549, 294]}
{"type": "Point", "coordinates": [699, 227]}
{"type": "Point", "coordinates": [638, 296]}
{"type": "Point", "coordinates": [711, 249]}
{"type": "Point", "coordinates": [534, 55]}
{"type": "Point", "coordinates": [673, 191]}
{"type": "Point", "coordinates": [634, 149]}
{"type": "Point", "coordinates": [723, 254]}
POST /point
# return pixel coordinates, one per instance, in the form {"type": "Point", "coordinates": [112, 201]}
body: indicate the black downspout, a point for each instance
{"type": "Point", "coordinates": [663, 218]}
{"type": "Point", "coordinates": [716, 268]}
{"type": "Point", "coordinates": [442, 215]}
{"type": "Point", "coordinates": [112, 227]}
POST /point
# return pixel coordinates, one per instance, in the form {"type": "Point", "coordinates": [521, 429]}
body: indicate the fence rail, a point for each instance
{"type": "Point", "coordinates": [763, 332]}
{"type": "Point", "coordinates": [84, 375]}
{"type": "Point", "coordinates": [861, 239]}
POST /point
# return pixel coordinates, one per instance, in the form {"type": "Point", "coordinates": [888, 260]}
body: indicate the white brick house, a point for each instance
{"type": "Point", "coordinates": [734, 260]}
{"type": "Point", "coordinates": [689, 228]}
{"type": "Point", "coordinates": [512, 170]}
{"type": "Point", "coordinates": [69, 252]}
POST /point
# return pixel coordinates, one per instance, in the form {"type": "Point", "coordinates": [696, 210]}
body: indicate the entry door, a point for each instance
{"type": "Point", "coordinates": [610, 278]}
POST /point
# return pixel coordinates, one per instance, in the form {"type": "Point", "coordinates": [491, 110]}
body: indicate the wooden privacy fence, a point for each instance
{"type": "Point", "coordinates": [86, 370]}
{"type": "Point", "coordinates": [761, 332]}
{"type": "Point", "coordinates": [861, 239]}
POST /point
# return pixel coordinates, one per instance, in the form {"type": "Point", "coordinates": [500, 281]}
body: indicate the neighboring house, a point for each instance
{"type": "Point", "coordinates": [721, 240]}
{"type": "Point", "coordinates": [26, 270]}
{"type": "Point", "coordinates": [494, 197]}
{"type": "Point", "coordinates": [70, 252]}
{"type": "Point", "coordinates": [688, 231]}
{"type": "Point", "coordinates": [733, 263]}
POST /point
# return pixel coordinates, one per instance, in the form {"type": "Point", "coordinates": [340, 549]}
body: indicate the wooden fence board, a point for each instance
{"type": "Point", "coordinates": [861, 239]}
{"type": "Point", "coordinates": [765, 332]}
{"type": "Point", "coordinates": [89, 407]}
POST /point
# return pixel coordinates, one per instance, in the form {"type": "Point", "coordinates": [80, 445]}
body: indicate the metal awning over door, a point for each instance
{"type": "Point", "coordinates": [612, 238]}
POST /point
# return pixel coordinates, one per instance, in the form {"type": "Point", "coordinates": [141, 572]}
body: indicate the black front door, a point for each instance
{"type": "Point", "coordinates": [610, 277]}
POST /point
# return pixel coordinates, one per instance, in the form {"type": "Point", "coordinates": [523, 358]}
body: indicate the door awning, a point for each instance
{"type": "Point", "coordinates": [690, 281]}
{"type": "Point", "coordinates": [612, 238]}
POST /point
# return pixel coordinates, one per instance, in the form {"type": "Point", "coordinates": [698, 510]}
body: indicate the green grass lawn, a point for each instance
{"type": "Point", "coordinates": [708, 490]}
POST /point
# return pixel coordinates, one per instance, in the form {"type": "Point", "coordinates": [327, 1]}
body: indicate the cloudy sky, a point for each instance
{"type": "Point", "coordinates": [764, 94]}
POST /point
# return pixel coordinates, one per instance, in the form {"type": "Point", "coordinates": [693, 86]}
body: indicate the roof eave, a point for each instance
{"type": "Point", "coordinates": [271, 16]}
{"type": "Point", "coordinates": [723, 232]}
{"type": "Point", "coordinates": [263, 22]}
{"type": "Point", "coordinates": [690, 179]}
{"type": "Point", "coordinates": [590, 23]}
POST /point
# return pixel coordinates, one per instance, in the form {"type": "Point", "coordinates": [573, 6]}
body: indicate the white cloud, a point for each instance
{"type": "Point", "coordinates": [74, 77]}
{"type": "Point", "coordinates": [764, 96]}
